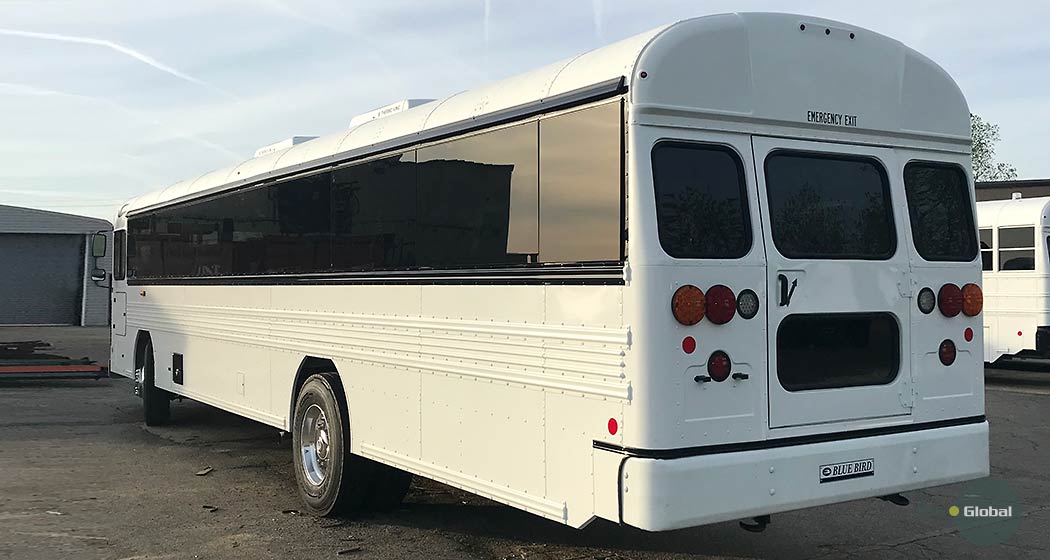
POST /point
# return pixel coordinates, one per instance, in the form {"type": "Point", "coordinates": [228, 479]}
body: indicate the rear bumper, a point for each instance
{"type": "Point", "coordinates": [664, 494]}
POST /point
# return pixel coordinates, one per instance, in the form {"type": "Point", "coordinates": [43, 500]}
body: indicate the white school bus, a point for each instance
{"type": "Point", "coordinates": [1015, 251]}
{"type": "Point", "coordinates": [714, 271]}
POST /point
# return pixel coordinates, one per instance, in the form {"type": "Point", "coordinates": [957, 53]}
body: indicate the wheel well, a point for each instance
{"type": "Point", "coordinates": [141, 340]}
{"type": "Point", "coordinates": [309, 366]}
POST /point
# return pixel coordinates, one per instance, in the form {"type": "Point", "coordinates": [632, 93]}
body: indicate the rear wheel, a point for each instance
{"type": "Point", "coordinates": [331, 480]}
{"type": "Point", "coordinates": [156, 402]}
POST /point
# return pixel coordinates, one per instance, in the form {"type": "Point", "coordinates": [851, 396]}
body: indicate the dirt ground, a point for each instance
{"type": "Point", "coordinates": [81, 477]}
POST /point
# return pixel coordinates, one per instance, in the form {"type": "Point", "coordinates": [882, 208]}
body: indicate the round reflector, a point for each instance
{"type": "Point", "coordinates": [613, 426]}
{"type": "Point", "coordinates": [719, 365]}
{"type": "Point", "coordinates": [747, 304]}
{"type": "Point", "coordinates": [688, 345]}
{"type": "Point", "coordinates": [721, 304]}
{"type": "Point", "coordinates": [968, 334]}
{"type": "Point", "coordinates": [927, 300]}
{"type": "Point", "coordinates": [947, 352]}
{"type": "Point", "coordinates": [972, 300]}
{"type": "Point", "coordinates": [687, 305]}
{"type": "Point", "coordinates": [950, 300]}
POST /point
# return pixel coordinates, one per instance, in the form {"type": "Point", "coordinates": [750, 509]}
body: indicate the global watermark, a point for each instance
{"type": "Point", "coordinates": [987, 512]}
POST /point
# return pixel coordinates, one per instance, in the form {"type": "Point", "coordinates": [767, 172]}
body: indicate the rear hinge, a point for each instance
{"type": "Point", "coordinates": [906, 285]}
{"type": "Point", "coordinates": [907, 394]}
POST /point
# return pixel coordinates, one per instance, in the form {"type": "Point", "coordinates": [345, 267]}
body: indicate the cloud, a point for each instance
{"type": "Point", "coordinates": [127, 51]}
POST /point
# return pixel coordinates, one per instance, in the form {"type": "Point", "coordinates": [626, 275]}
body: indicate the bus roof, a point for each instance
{"type": "Point", "coordinates": [1015, 212]}
{"type": "Point", "coordinates": [759, 69]}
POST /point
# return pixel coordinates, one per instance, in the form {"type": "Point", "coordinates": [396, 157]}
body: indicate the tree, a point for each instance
{"type": "Point", "coordinates": [985, 168]}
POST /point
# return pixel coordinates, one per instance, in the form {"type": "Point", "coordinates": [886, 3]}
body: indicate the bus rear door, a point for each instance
{"type": "Point", "coordinates": [839, 291]}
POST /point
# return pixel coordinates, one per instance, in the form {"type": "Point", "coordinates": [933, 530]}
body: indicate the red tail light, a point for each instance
{"type": "Point", "coordinates": [719, 366]}
{"type": "Point", "coordinates": [721, 304]}
{"type": "Point", "coordinates": [947, 352]}
{"type": "Point", "coordinates": [950, 300]}
{"type": "Point", "coordinates": [972, 300]}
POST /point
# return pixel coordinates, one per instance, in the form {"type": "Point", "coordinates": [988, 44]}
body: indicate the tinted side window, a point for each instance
{"type": "Point", "coordinates": [477, 199]}
{"type": "Point", "coordinates": [581, 182]}
{"type": "Point", "coordinates": [143, 249]}
{"type": "Point", "coordinates": [120, 253]}
{"type": "Point", "coordinates": [1017, 248]}
{"type": "Point", "coordinates": [985, 237]}
{"type": "Point", "coordinates": [375, 214]}
{"type": "Point", "coordinates": [701, 201]}
{"type": "Point", "coordinates": [264, 230]}
{"type": "Point", "coordinates": [940, 210]}
{"type": "Point", "coordinates": [829, 207]}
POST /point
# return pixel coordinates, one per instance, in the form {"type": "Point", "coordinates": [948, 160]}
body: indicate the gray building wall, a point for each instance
{"type": "Point", "coordinates": [1003, 190]}
{"type": "Point", "coordinates": [94, 304]}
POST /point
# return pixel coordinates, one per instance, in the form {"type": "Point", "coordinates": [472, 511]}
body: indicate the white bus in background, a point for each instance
{"type": "Point", "coordinates": [685, 278]}
{"type": "Point", "coordinates": [1015, 251]}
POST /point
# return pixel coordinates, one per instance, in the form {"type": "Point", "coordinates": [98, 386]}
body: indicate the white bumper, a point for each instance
{"type": "Point", "coordinates": [664, 494]}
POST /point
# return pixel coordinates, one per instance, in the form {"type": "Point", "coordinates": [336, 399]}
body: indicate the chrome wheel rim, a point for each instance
{"type": "Point", "coordinates": [315, 445]}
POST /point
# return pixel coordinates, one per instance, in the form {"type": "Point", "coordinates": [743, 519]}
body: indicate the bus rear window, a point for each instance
{"type": "Point", "coordinates": [701, 202]}
{"type": "Point", "coordinates": [829, 207]}
{"type": "Point", "coordinates": [941, 215]}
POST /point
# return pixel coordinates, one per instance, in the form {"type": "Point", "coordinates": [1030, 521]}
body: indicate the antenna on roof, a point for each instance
{"type": "Point", "coordinates": [386, 111]}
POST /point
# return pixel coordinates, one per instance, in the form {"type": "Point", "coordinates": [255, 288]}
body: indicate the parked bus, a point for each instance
{"type": "Point", "coordinates": [1015, 253]}
{"type": "Point", "coordinates": [719, 270]}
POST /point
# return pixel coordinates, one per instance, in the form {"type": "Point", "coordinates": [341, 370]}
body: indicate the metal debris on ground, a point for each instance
{"type": "Point", "coordinates": [204, 471]}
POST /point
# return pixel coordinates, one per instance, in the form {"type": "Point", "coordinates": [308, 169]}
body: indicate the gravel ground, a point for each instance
{"type": "Point", "coordinates": [81, 477]}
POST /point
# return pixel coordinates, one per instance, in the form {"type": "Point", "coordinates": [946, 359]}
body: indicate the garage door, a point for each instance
{"type": "Point", "coordinates": [41, 279]}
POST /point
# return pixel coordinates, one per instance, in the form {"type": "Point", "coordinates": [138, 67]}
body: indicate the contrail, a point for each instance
{"type": "Point", "coordinates": [127, 51]}
{"type": "Point", "coordinates": [488, 14]}
{"type": "Point", "coordinates": [597, 8]}
{"type": "Point", "coordinates": [8, 88]}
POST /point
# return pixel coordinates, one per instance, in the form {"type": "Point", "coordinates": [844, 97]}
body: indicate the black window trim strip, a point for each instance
{"type": "Point", "coordinates": [589, 94]}
{"type": "Point", "coordinates": [684, 452]}
{"type": "Point", "coordinates": [606, 274]}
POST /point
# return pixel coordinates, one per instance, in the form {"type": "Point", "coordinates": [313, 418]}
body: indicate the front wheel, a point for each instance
{"type": "Point", "coordinates": [331, 480]}
{"type": "Point", "coordinates": [156, 402]}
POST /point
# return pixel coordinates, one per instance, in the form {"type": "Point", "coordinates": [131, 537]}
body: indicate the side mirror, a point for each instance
{"type": "Point", "coordinates": [98, 245]}
{"type": "Point", "coordinates": [98, 274]}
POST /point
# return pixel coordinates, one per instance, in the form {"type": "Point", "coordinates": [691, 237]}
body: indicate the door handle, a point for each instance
{"type": "Point", "coordinates": [785, 292]}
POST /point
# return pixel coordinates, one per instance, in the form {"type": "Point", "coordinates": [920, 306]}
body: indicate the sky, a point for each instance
{"type": "Point", "coordinates": [104, 100]}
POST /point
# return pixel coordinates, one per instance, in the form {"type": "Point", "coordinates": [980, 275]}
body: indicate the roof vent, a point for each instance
{"type": "Point", "coordinates": [282, 145]}
{"type": "Point", "coordinates": [392, 109]}
{"type": "Point", "coordinates": [1015, 196]}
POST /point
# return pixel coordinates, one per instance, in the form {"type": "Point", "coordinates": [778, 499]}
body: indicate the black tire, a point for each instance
{"type": "Point", "coordinates": [347, 477]}
{"type": "Point", "coordinates": [389, 489]}
{"type": "Point", "coordinates": [156, 402]}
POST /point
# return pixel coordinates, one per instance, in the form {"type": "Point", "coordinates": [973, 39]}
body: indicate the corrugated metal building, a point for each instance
{"type": "Point", "coordinates": [47, 263]}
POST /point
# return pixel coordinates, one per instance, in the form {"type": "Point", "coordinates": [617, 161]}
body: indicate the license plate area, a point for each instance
{"type": "Point", "coordinates": [847, 470]}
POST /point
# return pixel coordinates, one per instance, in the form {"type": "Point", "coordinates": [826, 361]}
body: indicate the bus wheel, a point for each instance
{"type": "Point", "coordinates": [331, 480]}
{"type": "Point", "coordinates": [389, 489]}
{"type": "Point", "coordinates": [156, 402]}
